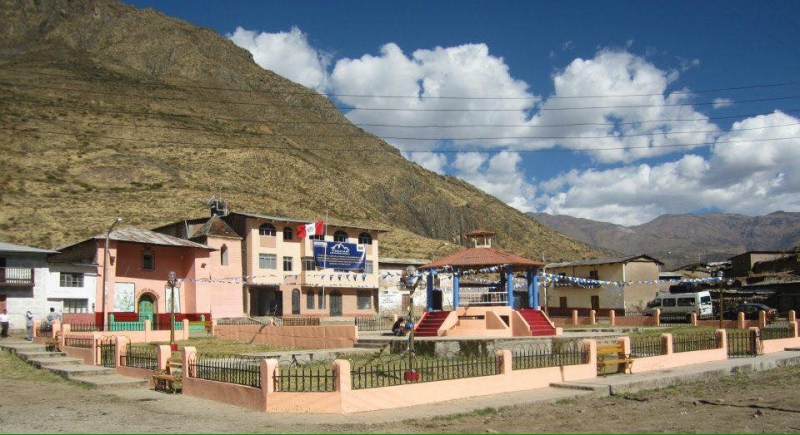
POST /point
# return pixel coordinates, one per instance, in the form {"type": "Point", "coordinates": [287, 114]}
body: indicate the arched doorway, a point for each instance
{"type": "Point", "coordinates": [336, 303]}
{"type": "Point", "coordinates": [147, 308]}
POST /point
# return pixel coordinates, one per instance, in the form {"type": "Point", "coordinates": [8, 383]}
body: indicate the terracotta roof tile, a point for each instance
{"type": "Point", "coordinates": [482, 257]}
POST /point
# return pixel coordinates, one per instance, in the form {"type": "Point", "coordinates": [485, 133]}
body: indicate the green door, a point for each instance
{"type": "Point", "coordinates": [146, 309]}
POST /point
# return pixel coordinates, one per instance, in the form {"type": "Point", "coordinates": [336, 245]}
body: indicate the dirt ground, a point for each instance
{"type": "Point", "coordinates": [31, 402]}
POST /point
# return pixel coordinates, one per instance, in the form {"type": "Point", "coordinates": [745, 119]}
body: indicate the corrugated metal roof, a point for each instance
{"type": "Point", "coordinates": [599, 261]}
{"type": "Point", "coordinates": [138, 235]}
{"type": "Point", "coordinates": [482, 257]}
{"type": "Point", "coordinates": [8, 247]}
{"type": "Point", "coordinates": [285, 219]}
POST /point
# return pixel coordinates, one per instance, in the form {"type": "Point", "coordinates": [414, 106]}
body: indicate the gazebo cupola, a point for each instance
{"type": "Point", "coordinates": [480, 238]}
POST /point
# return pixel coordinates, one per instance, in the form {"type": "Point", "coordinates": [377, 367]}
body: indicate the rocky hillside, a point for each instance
{"type": "Point", "coordinates": [682, 239]}
{"type": "Point", "coordinates": [109, 111]}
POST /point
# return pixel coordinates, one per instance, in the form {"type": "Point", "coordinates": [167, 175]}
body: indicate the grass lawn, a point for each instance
{"type": "Point", "coordinates": [218, 346]}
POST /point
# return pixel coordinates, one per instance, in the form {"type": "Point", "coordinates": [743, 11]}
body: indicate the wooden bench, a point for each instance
{"type": "Point", "coordinates": [169, 379]}
{"type": "Point", "coordinates": [613, 354]}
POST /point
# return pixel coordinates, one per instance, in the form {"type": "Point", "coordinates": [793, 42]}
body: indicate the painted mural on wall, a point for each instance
{"type": "Point", "coordinates": [123, 297]}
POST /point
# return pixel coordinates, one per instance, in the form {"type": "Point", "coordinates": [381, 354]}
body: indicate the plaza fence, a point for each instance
{"type": "Point", "coordinates": [234, 369]}
{"type": "Point", "coordinates": [378, 323]}
{"type": "Point", "coordinates": [77, 341]}
{"type": "Point", "coordinates": [83, 327]}
{"type": "Point", "coordinates": [743, 343]}
{"type": "Point", "coordinates": [644, 346]}
{"type": "Point", "coordinates": [548, 354]}
{"type": "Point", "coordinates": [309, 377]}
{"type": "Point", "coordinates": [144, 357]}
{"type": "Point", "coordinates": [777, 332]}
{"type": "Point", "coordinates": [694, 342]}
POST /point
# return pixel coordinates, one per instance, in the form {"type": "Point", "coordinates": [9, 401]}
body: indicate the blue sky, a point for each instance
{"type": "Point", "coordinates": [614, 111]}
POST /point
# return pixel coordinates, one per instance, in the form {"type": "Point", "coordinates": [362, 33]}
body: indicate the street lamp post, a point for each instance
{"type": "Point", "coordinates": [721, 276]}
{"type": "Point", "coordinates": [171, 279]}
{"type": "Point", "coordinates": [410, 282]}
{"type": "Point", "coordinates": [105, 270]}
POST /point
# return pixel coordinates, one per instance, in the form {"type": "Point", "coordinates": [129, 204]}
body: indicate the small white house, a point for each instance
{"type": "Point", "coordinates": [23, 282]}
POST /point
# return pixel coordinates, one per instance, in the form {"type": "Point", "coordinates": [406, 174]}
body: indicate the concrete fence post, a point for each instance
{"type": "Point", "coordinates": [95, 351]}
{"type": "Point", "coordinates": [185, 329]}
{"type": "Point", "coordinates": [657, 316]}
{"type": "Point", "coordinates": [574, 317]}
{"type": "Point", "coordinates": [120, 349]}
{"type": "Point", "coordinates": [36, 325]}
{"type": "Point", "coordinates": [342, 382]}
{"type": "Point", "coordinates": [590, 346]}
{"type": "Point", "coordinates": [793, 328]}
{"type": "Point", "coordinates": [213, 331]}
{"type": "Point", "coordinates": [722, 339]}
{"type": "Point", "coordinates": [667, 345]}
{"type": "Point", "coordinates": [740, 321]}
{"type": "Point", "coordinates": [693, 319]}
{"type": "Point", "coordinates": [762, 319]}
{"type": "Point", "coordinates": [504, 362]}
{"type": "Point", "coordinates": [755, 341]}
{"type": "Point", "coordinates": [56, 329]}
{"type": "Point", "coordinates": [189, 355]}
{"type": "Point", "coordinates": [792, 316]}
{"type": "Point", "coordinates": [612, 317]}
{"type": "Point", "coordinates": [148, 329]}
{"type": "Point", "coordinates": [162, 356]}
{"type": "Point", "coordinates": [62, 340]}
{"type": "Point", "coordinates": [592, 317]}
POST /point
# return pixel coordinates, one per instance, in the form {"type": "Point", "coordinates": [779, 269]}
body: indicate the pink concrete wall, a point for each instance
{"type": "Point", "coordinates": [303, 337]}
{"type": "Point", "coordinates": [779, 345]}
{"type": "Point", "coordinates": [663, 362]}
{"type": "Point", "coordinates": [89, 356]}
{"type": "Point", "coordinates": [218, 297]}
{"type": "Point", "coordinates": [234, 394]}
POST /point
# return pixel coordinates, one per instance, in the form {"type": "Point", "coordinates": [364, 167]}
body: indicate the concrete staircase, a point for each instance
{"type": "Point", "coordinates": [538, 322]}
{"type": "Point", "coordinates": [429, 325]}
{"type": "Point", "coordinates": [72, 369]}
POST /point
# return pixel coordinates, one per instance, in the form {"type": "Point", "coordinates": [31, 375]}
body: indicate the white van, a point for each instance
{"type": "Point", "coordinates": [682, 303]}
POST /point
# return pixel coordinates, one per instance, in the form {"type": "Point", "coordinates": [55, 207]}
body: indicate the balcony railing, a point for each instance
{"type": "Point", "coordinates": [16, 276]}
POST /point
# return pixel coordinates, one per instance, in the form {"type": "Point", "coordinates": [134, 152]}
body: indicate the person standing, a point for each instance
{"type": "Point", "coordinates": [4, 324]}
{"type": "Point", "coordinates": [53, 316]}
{"type": "Point", "coordinates": [29, 325]}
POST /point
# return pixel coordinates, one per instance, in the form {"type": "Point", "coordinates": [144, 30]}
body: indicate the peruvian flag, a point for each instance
{"type": "Point", "coordinates": [308, 230]}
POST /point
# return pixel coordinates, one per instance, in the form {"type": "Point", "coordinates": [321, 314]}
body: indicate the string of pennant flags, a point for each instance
{"type": "Point", "coordinates": [353, 279]}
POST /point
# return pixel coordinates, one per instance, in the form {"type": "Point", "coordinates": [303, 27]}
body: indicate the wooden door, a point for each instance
{"type": "Point", "coordinates": [336, 304]}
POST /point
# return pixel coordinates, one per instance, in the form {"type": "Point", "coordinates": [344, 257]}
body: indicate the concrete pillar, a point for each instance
{"type": "Point", "coordinates": [162, 356]}
{"type": "Point", "coordinates": [612, 317]}
{"type": "Point", "coordinates": [693, 319]}
{"type": "Point", "coordinates": [762, 319]}
{"type": "Point", "coordinates": [533, 288]}
{"type": "Point", "coordinates": [269, 368]}
{"type": "Point", "coordinates": [456, 287]}
{"type": "Point", "coordinates": [667, 344]}
{"type": "Point", "coordinates": [792, 316]}
{"type": "Point", "coordinates": [657, 316]}
{"type": "Point", "coordinates": [504, 362]}
{"type": "Point", "coordinates": [592, 317]}
{"type": "Point", "coordinates": [740, 321]}
{"type": "Point", "coordinates": [342, 380]}
{"type": "Point", "coordinates": [185, 329]}
{"type": "Point", "coordinates": [120, 349]}
{"type": "Point", "coordinates": [189, 355]}
{"type": "Point", "coordinates": [574, 317]}
{"type": "Point", "coordinates": [722, 339]}
{"type": "Point", "coordinates": [213, 327]}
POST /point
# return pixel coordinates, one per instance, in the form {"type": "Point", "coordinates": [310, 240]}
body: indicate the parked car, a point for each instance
{"type": "Point", "coordinates": [750, 311]}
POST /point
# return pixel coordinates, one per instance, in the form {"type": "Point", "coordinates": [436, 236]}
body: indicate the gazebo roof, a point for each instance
{"type": "Point", "coordinates": [480, 232]}
{"type": "Point", "coordinates": [482, 257]}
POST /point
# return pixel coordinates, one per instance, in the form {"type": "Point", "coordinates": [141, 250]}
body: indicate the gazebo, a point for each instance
{"type": "Point", "coordinates": [487, 313]}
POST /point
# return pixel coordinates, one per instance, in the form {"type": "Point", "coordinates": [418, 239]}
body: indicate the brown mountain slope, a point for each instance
{"type": "Point", "coordinates": [112, 111]}
{"type": "Point", "coordinates": [680, 239]}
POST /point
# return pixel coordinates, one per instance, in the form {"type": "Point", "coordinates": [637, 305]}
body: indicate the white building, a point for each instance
{"type": "Point", "coordinates": [23, 282]}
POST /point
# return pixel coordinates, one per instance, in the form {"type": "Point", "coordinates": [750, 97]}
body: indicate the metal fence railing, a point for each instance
{"type": "Point", "coordinates": [144, 357]}
{"type": "Point", "coordinates": [107, 347]}
{"type": "Point", "coordinates": [743, 343]}
{"type": "Point", "coordinates": [297, 321]}
{"type": "Point", "coordinates": [83, 327]}
{"type": "Point", "coordinates": [693, 342]}
{"type": "Point", "coordinates": [309, 377]}
{"type": "Point", "coordinates": [644, 346]}
{"type": "Point", "coordinates": [392, 371]}
{"type": "Point", "coordinates": [548, 354]}
{"type": "Point", "coordinates": [82, 342]}
{"type": "Point", "coordinates": [776, 332]}
{"type": "Point", "coordinates": [235, 369]}
{"type": "Point", "coordinates": [379, 323]}
{"type": "Point", "coordinates": [45, 329]}
{"type": "Point", "coordinates": [239, 321]}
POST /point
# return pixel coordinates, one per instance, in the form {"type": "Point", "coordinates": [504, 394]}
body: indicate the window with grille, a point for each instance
{"type": "Point", "coordinates": [340, 236]}
{"type": "Point", "coordinates": [364, 239]}
{"type": "Point", "coordinates": [288, 234]}
{"type": "Point", "coordinates": [68, 279]}
{"type": "Point", "coordinates": [267, 261]}
{"type": "Point", "coordinates": [308, 263]}
{"type": "Point", "coordinates": [76, 306]}
{"type": "Point", "coordinates": [266, 230]}
{"type": "Point", "coordinates": [310, 300]}
{"type": "Point", "coordinates": [364, 300]}
{"type": "Point", "coordinates": [148, 260]}
{"type": "Point", "coordinates": [369, 267]}
{"type": "Point", "coordinates": [287, 264]}
{"type": "Point", "coordinates": [223, 255]}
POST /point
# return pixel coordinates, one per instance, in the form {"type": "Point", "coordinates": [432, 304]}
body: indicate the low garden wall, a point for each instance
{"type": "Point", "coordinates": [302, 337]}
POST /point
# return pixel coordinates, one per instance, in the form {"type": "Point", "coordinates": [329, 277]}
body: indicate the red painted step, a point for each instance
{"type": "Point", "coordinates": [538, 322]}
{"type": "Point", "coordinates": [429, 325]}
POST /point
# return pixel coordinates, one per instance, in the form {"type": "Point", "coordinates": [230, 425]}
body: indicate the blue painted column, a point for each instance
{"type": "Point", "coordinates": [510, 286]}
{"type": "Point", "coordinates": [456, 283]}
{"type": "Point", "coordinates": [531, 288]}
{"type": "Point", "coordinates": [430, 291]}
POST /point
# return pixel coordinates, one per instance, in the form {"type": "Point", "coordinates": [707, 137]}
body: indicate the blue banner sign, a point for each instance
{"type": "Point", "coordinates": [339, 255]}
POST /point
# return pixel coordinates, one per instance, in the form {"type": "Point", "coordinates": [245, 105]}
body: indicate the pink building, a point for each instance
{"type": "Point", "coordinates": [139, 262]}
{"type": "Point", "coordinates": [278, 273]}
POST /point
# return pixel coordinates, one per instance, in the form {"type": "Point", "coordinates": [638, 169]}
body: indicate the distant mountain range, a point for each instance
{"type": "Point", "coordinates": [680, 239]}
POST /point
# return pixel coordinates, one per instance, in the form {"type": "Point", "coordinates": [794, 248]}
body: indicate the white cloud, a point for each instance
{"type": "Point", "coordinates": [744, 174]}
{"type": "Point", "coordinates": [499, 175]}
{"type": "Point", "coordinates": [434, 162]}
{"type": "Point", "coordinates": [286, 53]}
{"type": "Point", "coordinates": [722, 102]}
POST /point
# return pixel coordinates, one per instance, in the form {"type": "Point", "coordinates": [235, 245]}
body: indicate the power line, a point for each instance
{"type": "Point", "coordinates": [416, 97]}
{"type": "Point", "coordinates": [347, 123]}
{"type": "Point", "coordinates": [396, 109]}
{"type": "Point", "coordinates": [347, 135]}
{"type": "Point", "coordinates": [386, 149]}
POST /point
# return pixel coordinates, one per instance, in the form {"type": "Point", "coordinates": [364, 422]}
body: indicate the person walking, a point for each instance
{"type": "Point", "coordinates": [29, 325]}
{"type": "Point", "coordinates": [4, 324]}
